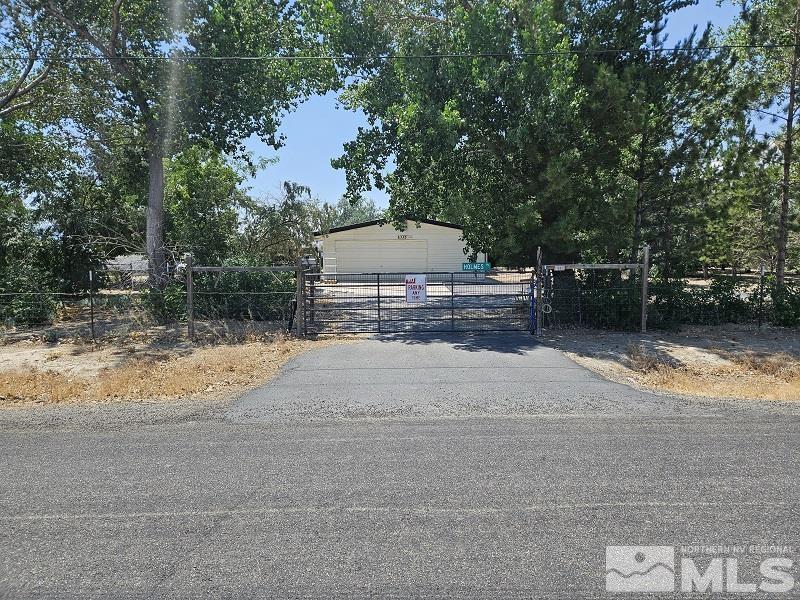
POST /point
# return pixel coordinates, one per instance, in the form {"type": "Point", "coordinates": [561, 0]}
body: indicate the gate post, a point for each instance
{"type": "Point", "coordinates": [452, 303]}
{"type": "Point", "coordinates": [645, 275]}
{"type": "Point", "coordinates": [378, 279]}
{"type": "Point", "coordinates": [539, 291]}
{"type": "Point", "coordinates": [300, 309]}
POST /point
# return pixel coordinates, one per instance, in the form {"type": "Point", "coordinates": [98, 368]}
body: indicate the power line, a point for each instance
{"type": "Point", "coordinates": [390, 57]}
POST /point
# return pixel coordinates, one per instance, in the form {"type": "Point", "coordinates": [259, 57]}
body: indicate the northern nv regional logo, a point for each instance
{"type": "Point", "coordinates": [640, 569]}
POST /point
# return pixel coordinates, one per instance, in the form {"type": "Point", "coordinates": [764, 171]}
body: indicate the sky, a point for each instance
{"type": "Point", "coordinates": [317, 130]}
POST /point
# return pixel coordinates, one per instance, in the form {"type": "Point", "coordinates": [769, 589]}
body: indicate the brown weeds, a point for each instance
{"type": "Point", "coordinates": [745, 375]}
{"type": "Point", "coordinates": [209, 371]}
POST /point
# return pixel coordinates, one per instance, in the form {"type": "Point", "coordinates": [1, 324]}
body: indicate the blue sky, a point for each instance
{"type": "Point", "coordinates": [316, 131]}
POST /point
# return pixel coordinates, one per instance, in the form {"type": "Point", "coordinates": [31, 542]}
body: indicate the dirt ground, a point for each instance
{"type": "Point", "coordinates": [732, 361]}
{"type": "Point", "coordinates": [34, 372]}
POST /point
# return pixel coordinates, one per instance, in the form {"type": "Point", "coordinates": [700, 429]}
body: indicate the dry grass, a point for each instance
{"type": "Point", "coordinates": [744, 375]}
{"type": "Point", "coordinates": [160, 374]}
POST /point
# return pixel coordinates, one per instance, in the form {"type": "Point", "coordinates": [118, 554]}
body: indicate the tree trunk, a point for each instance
{"type": "Point", "coordinates": [640, 180]}
{"type": "Point", "coordinates": [783, 223]}
{"type": "Point", "coordinates": [637, 219]}
{"type": "Point", "coordinates": [156, 256]}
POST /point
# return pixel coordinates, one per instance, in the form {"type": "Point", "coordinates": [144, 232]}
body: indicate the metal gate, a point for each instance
{"type": "Point", "coordinates": [378, 303]}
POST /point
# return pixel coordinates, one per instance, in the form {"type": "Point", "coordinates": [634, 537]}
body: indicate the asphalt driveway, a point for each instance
{"type": "Point", "coordinates": [451, 375]}
{"type": "Point", "coordinates": [406, 467]}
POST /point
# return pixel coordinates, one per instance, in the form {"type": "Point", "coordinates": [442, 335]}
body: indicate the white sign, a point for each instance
{"type": "Point", "coordinates": [416, 289]}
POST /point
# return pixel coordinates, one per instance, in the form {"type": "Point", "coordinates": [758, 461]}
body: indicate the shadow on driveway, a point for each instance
{"type": "Point", "coordinates": [506, 342]}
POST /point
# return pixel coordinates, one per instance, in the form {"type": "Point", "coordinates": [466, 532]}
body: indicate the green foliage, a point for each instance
{"type": "Point", "coordinates": [202, 199]}
{"type": "Point", "coordinates": [784, 304]}
{"type": "Point", "coordinates": [25, 283]}
{"type": "Point", "coordinates": [281, 229]}
{"type": "Point", "coordinates": [598, 300]}
{"type": "Point", "coordinates": [726, 300]}
{"type": "Point", "coordinates": [584, 155]}
{"type": "Point", "coordinates": [24, 300]}
{"type": "Point", "coordinates": [350, 211]}
{"type": "Point", "coordinates": [166, 305]}
{"type": "Point", "coordinates": [252, 296]}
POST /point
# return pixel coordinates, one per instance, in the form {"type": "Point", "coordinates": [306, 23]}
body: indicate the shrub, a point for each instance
{"type": "Point", "coordinates": [784, 303]}
{"type": "Point", "coordinates": [251, 296]}
{"type": "Point", "coordinates": [24, 299]}
{"type": "Point", "coordinates": [167, 305]}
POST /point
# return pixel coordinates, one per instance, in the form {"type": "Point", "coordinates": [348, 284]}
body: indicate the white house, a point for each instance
{"type": "Point", "coordinates": [424, 246]}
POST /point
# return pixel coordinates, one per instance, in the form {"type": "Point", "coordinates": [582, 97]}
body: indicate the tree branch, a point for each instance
{"type": "Point", "coordinates": [115, 27]}
{"type": "Point", "coordinates": [117, 61]}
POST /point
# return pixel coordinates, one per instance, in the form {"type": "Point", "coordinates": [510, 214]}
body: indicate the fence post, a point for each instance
{"type": "Point", "coordinates": [91, 302]}
{"type": "Point", "coordinates": [189, 298]}
{"type": "Point", "coordinates": [378, 279]}
{"type": "Point", "coordinates": [645, 275]}
{"type": "Point", "coordinates": [452, 303]}
{"type": "Point", "coordinates": [539, 291]}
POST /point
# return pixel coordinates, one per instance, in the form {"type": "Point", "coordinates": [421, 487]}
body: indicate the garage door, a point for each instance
{"type": "Point", "coordinates": [384, 256]}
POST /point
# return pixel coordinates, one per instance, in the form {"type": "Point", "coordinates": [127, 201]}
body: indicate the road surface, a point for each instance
{"type": "Point", "coordinates": [419, 466]}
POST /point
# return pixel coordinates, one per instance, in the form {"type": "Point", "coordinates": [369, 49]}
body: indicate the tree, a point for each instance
{"type": "Point", "coordinates": [154, 61]}
{"type": "Point", "coordinates": [534, 130]}
{"type": "Point", "coordinates": [279, 230]}
{"type": "Point", "coordinates": [772, 70]}
{"type": "Point", "coordinates": [202, 201]}
{"type": "Point", "coordinates": [347, 212]}
{"type": "Point", "coordinates": [29, 56]}
{"type": "Point", "coordinates": [482, 140]}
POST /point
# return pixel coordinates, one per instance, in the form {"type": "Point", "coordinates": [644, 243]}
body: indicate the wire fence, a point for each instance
{"type": "Point", "coordinates": [227, 303]}
{"type": "Point", "coordinates": [241, 301]}
{"type": "Point", "coordinates": [237, 302]}
{"type": "Point", "coordinates": [599, 299]}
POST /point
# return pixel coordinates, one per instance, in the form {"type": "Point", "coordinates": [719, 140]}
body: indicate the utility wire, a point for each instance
{"type": "Point", "coordinates": [390, 57]}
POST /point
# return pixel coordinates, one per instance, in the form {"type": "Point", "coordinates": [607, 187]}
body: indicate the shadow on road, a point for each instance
{"type": "Point", "coordinates": [511, 342]}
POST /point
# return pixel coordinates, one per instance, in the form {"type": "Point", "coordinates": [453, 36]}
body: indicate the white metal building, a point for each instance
{"type": "Point", "coordinates": [377, 247]}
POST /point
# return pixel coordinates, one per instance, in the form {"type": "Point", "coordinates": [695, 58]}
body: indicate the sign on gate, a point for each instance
{"type": "Point", "coordinates": [416, 289]}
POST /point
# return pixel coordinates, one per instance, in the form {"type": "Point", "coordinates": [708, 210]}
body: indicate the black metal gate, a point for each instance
{"type": "Point", "coordinates": [377, 303]}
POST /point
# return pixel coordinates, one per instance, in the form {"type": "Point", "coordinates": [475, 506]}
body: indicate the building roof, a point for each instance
{"type": "Point", "coordinates": [382, 222]}
{"type": "Point", "coordinates": [134, 262]}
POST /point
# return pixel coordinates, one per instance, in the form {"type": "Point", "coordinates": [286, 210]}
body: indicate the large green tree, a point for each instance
{"type": "Point", "coordinates": [770, 69]}
{"type": "Point", "coordinates": [526, 123]}
{"type": "Point", "coordinates": [482, 140]}
{"type": "Point", "coordinates": [165, 69]}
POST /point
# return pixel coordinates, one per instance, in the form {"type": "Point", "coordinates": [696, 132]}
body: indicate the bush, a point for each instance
{"type": "Point", "coordinates": [726, 300]}
{"type": "Point", "coordinates": [251, 296]}
{"type": "Point", "coordinates": [600, 300]}
{"type": "Point", "coordinates": [784, 306]}
{"type": "Point", "coordinates": [167, 305]}
{"type": "Point", "coordinates": [24, 300]}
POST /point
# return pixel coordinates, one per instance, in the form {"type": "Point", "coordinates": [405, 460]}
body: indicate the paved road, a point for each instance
{"type": "Point", "coordinates": [481, 466]}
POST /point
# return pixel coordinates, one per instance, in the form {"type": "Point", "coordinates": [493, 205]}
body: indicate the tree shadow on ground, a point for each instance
{"type": "Point", "coordinates": [707, 346]}
{"type": "Point", "coordinates": [508, 342]}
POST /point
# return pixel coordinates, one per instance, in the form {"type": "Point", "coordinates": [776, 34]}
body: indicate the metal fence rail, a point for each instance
{"type": "Point", "coordinates": [376, 303]}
